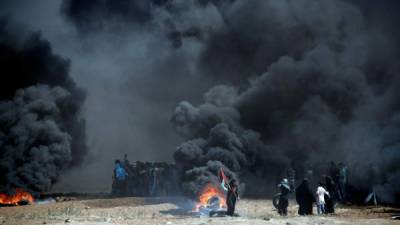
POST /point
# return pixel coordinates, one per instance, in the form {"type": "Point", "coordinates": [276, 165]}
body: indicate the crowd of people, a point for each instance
{"type": "Point", "coordinates": [143, 178]}
{"type": "Point", "coordinates": [330, 190]}
{"type": "Point", "coordinates": [162, 179]}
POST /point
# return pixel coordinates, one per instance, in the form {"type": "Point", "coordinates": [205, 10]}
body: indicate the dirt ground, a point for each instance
{"type": "Point", "coordinates": [170, 211]}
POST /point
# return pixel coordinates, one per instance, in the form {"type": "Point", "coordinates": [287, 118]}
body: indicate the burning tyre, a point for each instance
{"type": "Point", "coordinates": [211, 198]}
{"type": "Point", "coordinates": [20, 197]}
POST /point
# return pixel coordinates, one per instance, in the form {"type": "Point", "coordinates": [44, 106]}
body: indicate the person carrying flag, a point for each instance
{"type": "Point", "coordinates": [232, 192]}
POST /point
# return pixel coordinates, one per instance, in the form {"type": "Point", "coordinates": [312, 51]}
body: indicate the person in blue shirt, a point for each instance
{"type": "Point", "coordinates": [119, 179]}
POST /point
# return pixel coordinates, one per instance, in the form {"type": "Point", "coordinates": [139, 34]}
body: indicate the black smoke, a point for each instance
{"type": "Point", "coordinates": [297, 83]}
{"type": "Point", "coordinates": [313, 82]}
{"type": "Point", "coordinates": [101, 15]}
{"type": "Point", "coordinates": [41, 131]}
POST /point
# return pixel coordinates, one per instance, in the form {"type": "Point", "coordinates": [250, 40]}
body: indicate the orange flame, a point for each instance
{"type": "Point", "coordinates": [208, 192]}
{"type": "Point", "coordinates": [19, 196]}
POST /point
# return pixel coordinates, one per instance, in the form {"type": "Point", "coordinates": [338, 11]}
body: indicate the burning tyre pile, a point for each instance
{"type": "Point", "coordinates": [210, 200]}
{"type": "Point", "coordinates": [19, 197]}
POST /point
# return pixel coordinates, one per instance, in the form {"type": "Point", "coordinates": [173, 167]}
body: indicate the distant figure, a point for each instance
{"type": "Point", "coordinates": [126, 161]}
{"type": "Point", "coordinates": [119, 179]}
{"type": "Point", "coordinates": [321, 192]}
{"type": "Point", "coordinates": [304, 198]}
{"type": "Point", "coordinates": [330, 200]}
{"type": "Point", "coordinates": [129, 180]}
{"type": "Point", "coordinates": [231, 197]}
{"type": "Point", "coordinates": [145, 176]}
{"type": "Point", "coordinates": [284, 187]}
{"type": "Point", "coordinates": [154, 181]}
{"type": "Point", "coordinates": [342, 181]}
{"type": "Point", "coordinates": [310, 176]}
{"type": "Point", "coordinates": [291, 174]}
{"type": "Point", "coordinates": [373, 179]}
{"type": "Point", "coordinates": [371, 196]}
{"type": "Point", "coordinates": [334, 172]}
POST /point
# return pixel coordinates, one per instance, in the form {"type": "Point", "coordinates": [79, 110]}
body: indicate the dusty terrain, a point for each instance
{"type": "Point", "coordinates": [168, 211]}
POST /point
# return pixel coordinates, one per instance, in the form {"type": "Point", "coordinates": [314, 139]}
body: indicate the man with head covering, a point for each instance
{"type": "Point", "coordinates": [284, 187]}
{"type": "Point", "coordinates": [330, 200]}
{"type": "Point", "coordinates": [231, 197]}
{"type": "Point", "coordinates": [305, 198]}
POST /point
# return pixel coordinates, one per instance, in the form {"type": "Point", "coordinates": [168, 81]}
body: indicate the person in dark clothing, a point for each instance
{"type": "Point", "coordinates": [305, 198]}
{"type": "Point", "coordinates": [330, 200]}
{"type": "Point", "coordinates": [231, 197]}
{"type": "Point", "coordinates": [334, 172]}
{"type": "Point", "coordinates": [284, 187]}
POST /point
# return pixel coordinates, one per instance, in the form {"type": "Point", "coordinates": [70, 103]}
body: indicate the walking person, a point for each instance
{"type": "Point", "coordinates": [232, 193]}
{"type": "Point", "coordinates": [321, 192]}
{"type": "Point", "coordinates": [330, 200]}
{"type": "Point", "coordinates": [342, 182]}
{"type": "Point", "coordinates": [284, 197]}
{"type": "Point", "coordinates": [304, 198]}
{"type": "Point", "coordinates": [231, 198]}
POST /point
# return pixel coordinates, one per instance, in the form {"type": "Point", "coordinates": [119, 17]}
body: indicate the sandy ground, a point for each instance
{"type": "Point", "coordinates": [169, 211]}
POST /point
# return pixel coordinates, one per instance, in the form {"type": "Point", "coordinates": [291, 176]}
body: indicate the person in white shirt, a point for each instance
{"type": "Point", "coordinates": [321, 192]}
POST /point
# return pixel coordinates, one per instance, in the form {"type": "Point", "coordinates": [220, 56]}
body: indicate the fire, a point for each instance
{"type": "Point", "coordinates": [207, 193]}
{"type": "Point", "coordinates": [19, 196]}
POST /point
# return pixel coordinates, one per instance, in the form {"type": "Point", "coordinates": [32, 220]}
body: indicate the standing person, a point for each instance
{"type": "Point", "coordinates": [334, 172]}
{"type": "Point", "coordinates": [126, 161]}
{"type": "Point", "coordinates": [342, 181]}
{"type": "Point", "coordinates": [129, 179]}
{"type": "Point", "coordinates": [291, 174]}
{"type": "Point", "coordinates": [154, 181]}
{"type": "Point", "coordinates": [304, 198]}
{"type": "Point", "coordinates": [373, 179]}
{"type": "Point", "coordinates": [231, 197]}
{"type": "Point", "coordinates": [284, 187]}
{"type": "Point", "coordinates": [119, 177]}
{"type": "Point", "coordinates": [321, 192]}
{"type": "Point", "coordinates": [330, 200]}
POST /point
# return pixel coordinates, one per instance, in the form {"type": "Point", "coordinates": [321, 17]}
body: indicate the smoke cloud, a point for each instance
{"type": "Point", "coordinates": [41, 132]}
{"type": "Point", "coordinates": [313, 82]}
{"type": "Point", "coordinates": [284, 84]}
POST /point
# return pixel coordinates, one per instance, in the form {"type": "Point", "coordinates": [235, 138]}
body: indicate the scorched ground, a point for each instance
{"type": "Point", "coordinates": [151, 211]}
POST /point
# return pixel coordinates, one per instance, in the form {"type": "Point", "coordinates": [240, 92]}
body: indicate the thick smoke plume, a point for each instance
{"type": "Point", "coordinates": [297, 83]}
{"type": "Point", "coordinates": [41, 132]}
{"type": "Point", "coordinates": [323, 86]}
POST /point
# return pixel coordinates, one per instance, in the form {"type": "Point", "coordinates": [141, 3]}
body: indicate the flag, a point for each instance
{"type": "Point", "coordinates": [223, 179]}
